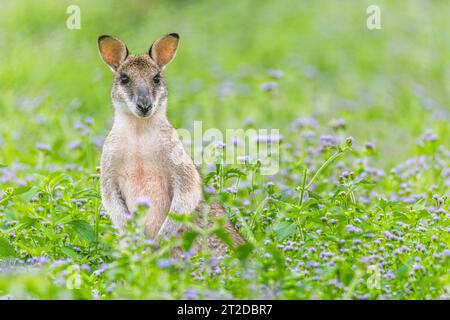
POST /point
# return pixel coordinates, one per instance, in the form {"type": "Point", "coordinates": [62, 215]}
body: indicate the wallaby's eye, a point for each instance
{"type": "Point", "coordinates": [157, 78]}
{"type": "Point", "coordinates": [124, 79]}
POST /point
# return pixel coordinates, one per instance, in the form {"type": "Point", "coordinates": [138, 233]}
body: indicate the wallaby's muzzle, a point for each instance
{"type": "Point", "coordinates": [143, 102]}
{"type": "Point", "coordinates": [143, 109]}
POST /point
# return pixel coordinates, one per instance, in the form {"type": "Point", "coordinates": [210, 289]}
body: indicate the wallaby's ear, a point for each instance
{"type": "Point", "coordinates": [163, 50]}
{"type": "Point", "coordinates": [112, 50]}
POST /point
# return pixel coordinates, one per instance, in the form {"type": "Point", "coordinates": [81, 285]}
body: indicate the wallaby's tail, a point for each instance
{"type": "Point", "coordinates": [215, 211]}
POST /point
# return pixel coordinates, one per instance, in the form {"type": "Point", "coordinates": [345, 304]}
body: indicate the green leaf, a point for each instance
{"type": "Point", "coordinates": [244, 250]}
{"type": "Point", "coordinates": [2, 166]}
{"type": "Point", "coordinates": [310, 202]}
{"type": "Point", "coordinates": [28, 195]}
{"type": "Point", "coordinates": [365, 182]}
{"type": "Point", "coordinates": [188, 239]}
{"type": "Point", "coordinates": [64, 219]}
{"type": "Point", "coordinates": [402, 269]}
{"type": "Point", "coordinates": [400, 216]}
{"type": "Point", "coordinates": [224, 236]}
{"type": "Point", "coordinates": [84, 229]}
{"type": "Point", "coordinates": [316, 196]}
{"type": "Point", "coordinates": [28, 222]}
{"type": "Point", "coordinates": [69, 252]}
{"type": "Point", "coordinates": [6, 249]}
{"type": "Point", "coordinates": [86, 193]}
{"type": "Point", "coordinates": [56, 179]}
{"type": "Point", "coordinates": [234, 172]}
{"type": "Point", "coordinates": [20, 190]}
{"type": "Point", "coordinates": [50, 233]}
{"type": "Point", "coordinates": [284, 230]}
{"type": "Point", "coordinates": [180, 217]}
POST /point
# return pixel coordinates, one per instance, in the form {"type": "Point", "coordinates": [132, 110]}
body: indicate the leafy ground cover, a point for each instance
{"type": "Point", "coordinates": [358, 209]}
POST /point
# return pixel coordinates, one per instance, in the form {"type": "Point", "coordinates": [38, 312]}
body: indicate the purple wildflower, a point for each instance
{"type": "Point", "coordinates": [74, 145]}
{"type": "Point", "coordinates": [353, 229]}
{"type": "Point", "coordinates": [43, 146]}
{"type": "Point", "coordinates": [328, 141]}
{"type": "Point", "coordinates": [165, 263]}
{"type": "Point", "coordinates": [268, 86]}
{"type": "Point", "coordinates": [143, 202]}
{"type": "Point", "coordinates": [191, 294]}
{"type": "Point", "coordinates": [232, 190]}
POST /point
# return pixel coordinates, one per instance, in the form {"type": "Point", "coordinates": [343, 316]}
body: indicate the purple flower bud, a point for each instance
{"type": "Point", "coordinates": [191, 294]}
{"type": "Point", "coordinates": [328, 141]}
{"type": "Point", "coordinates": [43, 147]}
{"type": "Point", "coordinates": [275, 73]}
{"type": "Point", "coordinates": [370, 145]}
{"type": "Point", "coordinates": [143, 202]}
{"type": "Point", "coordinates": [165, 263]}
{"type": "Point", "coordinates": [232, 190]}
{"type": "Point", "coordinates": [268, 86]}
{"type": "Point", "coordinates": [353, 229]}
{"type": "Point", "coordinates": [74, 145]}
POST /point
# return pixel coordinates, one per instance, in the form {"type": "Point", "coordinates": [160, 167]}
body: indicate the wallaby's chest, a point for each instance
{"type": "Point", "coordinates": [143, 172]}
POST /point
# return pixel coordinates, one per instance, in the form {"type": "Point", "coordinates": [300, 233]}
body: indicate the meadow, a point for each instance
{"type": "Point", "coordinates": [359, 208]}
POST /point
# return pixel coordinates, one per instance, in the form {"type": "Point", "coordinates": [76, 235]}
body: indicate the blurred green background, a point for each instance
{"type": "Point", "coordinates": [268, 62]}
{"type": "Point", "coordinates": [389, 85]}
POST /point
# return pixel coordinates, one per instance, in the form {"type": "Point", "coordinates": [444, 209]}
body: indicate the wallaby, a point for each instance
{"type": "Point", "coordinates": [143, 156]}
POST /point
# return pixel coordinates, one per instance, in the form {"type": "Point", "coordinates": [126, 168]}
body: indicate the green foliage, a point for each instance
{"type": "Point", "coordinates": [340, 219]}
{"type": "Point", "coordinates": [84, 230]}
{"type": "Point", "coordinates": [6, 249]}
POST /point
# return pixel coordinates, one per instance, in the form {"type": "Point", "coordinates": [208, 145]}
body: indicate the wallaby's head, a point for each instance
{"type": "Point", "coordinates": [138, 86]}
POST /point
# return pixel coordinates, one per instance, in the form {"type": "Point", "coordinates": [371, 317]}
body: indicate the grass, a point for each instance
{"type": "Point", "coordinates": [366, 221]}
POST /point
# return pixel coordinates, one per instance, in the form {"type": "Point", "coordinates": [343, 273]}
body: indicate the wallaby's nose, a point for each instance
{"type": "Point", "coordinates": [143, 108]}
{"type": "Point", "coordinates": [143, 101]}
